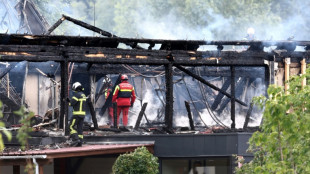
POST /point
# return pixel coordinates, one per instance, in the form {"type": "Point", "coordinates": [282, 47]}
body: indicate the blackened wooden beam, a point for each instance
{"type": "Point", "coordinates": [233, 99]}
{"type": "Point", "coordinates": [169, 95]}
{"type": "Point", "coordinates": [54, 26]}
{"type": "Point", "coordinates": [98, 30]}
{"type": "Point", "coordinates": [189, 114]}
{"type": "Point", "coordinates": [267, 78]}
{"type": "Point", "coordinates": [114, 105]}
{"type": "Point", "coordinates": [64, 94]}
{"type": "Point", "coordinates": [219, 97]}
{"type": "Point", "coordinates": [248, 114]}
{"type": "Point", "coordinates": [93, 114]}
{"type": "Point", "coordinates": [141, 113]}
{"type": "Point", "coordinates": [7, 70]}
{"type": "Point", "coordinates": [207, 83]}
{"type": "Point", "coordinates": [238, 91]}
{"type": "Point", "coordinates": [91, 54]}
{"type": "Point", "coordinates": [16, 58]}
{"type": "Point", "coordinates": [17, 37]}
{"type": "Point", "coordinates": [87, 26]}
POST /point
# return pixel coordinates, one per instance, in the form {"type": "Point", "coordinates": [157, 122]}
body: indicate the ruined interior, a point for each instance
{"type": "Point", "coordinates": [190, 88]}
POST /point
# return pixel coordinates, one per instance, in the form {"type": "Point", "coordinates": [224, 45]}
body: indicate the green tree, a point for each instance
{"type": "Point", "coordinates": [23, 134]}
{"type": "Point", "coordinates": [3, 131]}
{"type": "Point", "coordinates": [139, 161]}
{"type": "Point", "coordinates": [282, 145]}
{"type": "Point", "coordinates": [26, 128]}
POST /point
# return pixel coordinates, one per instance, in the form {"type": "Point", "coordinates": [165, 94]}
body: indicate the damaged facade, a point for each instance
{"type": "Point", "coordinates": [193, 109]}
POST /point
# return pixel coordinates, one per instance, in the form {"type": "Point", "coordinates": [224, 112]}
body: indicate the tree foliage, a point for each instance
{"type": "Point", "coordinates": [225, 19]}
{"type": "Point", "coordinates": [282, 145]}
{"type": "Point", "coordinates": [25, 129]}
{"type": "Point", "coordinates": [3, 131]}
{"type": "Point", "coordinates": [139, 161]}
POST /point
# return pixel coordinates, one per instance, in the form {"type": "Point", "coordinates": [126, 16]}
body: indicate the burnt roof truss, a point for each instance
{"type": "Point", "coordinates": [180, 54]}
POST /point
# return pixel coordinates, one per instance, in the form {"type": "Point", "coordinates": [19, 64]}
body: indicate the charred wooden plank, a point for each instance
{"type": "Point", "coordinates": [169, 96]}
{"type": "Point", "coordinates": [141, 113]}
{"type": "Point", "coordinates": [207, 83]}
{"type": "Point", "coordinates": [54, 26]}
{"type": "Point", "coordinates": [190, 117]}
{"type": "Point", "coordinates": [115, 125]}
{"type": "Point", "coordinates": [18, 39]}
{"type": "Point", "coordinates": [219, 97]}
{"type": "Point", "coordinates": [248, 114]}
{"type": "Point", "coordinates": [63, 121]}
{"type": "Point", "coordinates": [233, 97]}
{"type": "Point", "coordinates": [93, 114]}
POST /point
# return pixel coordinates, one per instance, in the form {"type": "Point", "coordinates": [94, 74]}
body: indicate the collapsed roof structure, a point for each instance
{"type": "Point", "coordinates": [182, 78]}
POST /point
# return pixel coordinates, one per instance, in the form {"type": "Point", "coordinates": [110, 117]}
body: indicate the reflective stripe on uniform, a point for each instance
{"type": "Point", "coordinates": [126, 90]}
{"type": "Point", "coordinates": [80, 111]}
{"type": "Point", "coordinates": [80, 136]}
{"type": "Point", "coordinates": [72, 131]}
{"type": "Point", "coordinates": [116, 88]}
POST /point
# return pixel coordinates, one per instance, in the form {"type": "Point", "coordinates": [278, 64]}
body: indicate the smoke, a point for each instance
{"type": "Point", "coordinates": [153, 106]}
{"type": "Point", "coordinates": [169, 27]}
{"type": "Point", "coordinates": [9, 21]}
{"type": "Point", "coordinates": [274, 25]}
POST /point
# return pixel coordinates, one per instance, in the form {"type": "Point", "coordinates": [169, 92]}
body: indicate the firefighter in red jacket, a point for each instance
{"type": "Point", "coordinates": [124, 95]}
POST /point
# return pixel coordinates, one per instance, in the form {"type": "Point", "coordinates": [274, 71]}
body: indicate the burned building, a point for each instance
{"type": "Point", "coordinates": [193, 108]}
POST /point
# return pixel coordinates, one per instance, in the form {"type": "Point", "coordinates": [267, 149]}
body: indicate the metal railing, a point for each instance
{"type": "Point", "coordinates": [9, 91]}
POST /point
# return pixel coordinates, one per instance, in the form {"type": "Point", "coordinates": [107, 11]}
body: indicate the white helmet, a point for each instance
{"type": "Point", "coordinates": [106, 80]}
{"type": "Point", "coordinates": [77, 86]}
{"type": "Point", "coordinates": [251, 31]}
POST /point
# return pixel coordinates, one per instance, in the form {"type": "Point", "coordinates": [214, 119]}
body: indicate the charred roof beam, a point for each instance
{"type": "Point", "coordinates": [90, 27]}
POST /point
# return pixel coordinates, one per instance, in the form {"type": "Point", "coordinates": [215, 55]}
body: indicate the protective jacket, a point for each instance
{"type": "Point", "coordinates": [124, 94]}
{"type": "Point", "coordinates": [107, 93]}
{"type": "Point", "coordinates": [78, 102]}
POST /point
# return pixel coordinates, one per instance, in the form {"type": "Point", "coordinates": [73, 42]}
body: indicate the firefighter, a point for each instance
{"type": "Point", "coordinates": [124, 96]}
{"type": "Point", "coordinates": [108, 91]}
{"type": "Point", "coordinates": [78, 102]}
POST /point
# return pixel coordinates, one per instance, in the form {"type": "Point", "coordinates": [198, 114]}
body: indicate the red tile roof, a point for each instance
{"type": "Point", "coordinates": [85, 150]}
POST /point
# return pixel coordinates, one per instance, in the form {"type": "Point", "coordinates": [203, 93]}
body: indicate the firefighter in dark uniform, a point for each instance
{"type": "Point", "coordinates": [124, 95]}
{"type": "Point", "coordinates": [78, 102]}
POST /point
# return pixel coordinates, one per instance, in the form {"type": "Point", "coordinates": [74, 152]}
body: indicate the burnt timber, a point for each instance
{"type": "Point", "coordinates": [172, 53]}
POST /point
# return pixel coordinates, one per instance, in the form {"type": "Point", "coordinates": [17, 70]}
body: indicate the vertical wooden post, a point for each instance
{"type": "Point", "coordinates": [169, 96]}
{"type": "Point", "coordinates": [233, 90]}
{"type": "Point", "coordinates": [303, 71]}
{"type": "Point", "coordinates": [24, 84]}
{"type": "Point", "coordinates": [64, 94]}
{"type": "Point", "coordinates": [8, 82]}
{"type": "Point", "coordinates": [189, 114]}
{"type": "Point", "coordinates": [93, 114]}
{"type": "Point", "coordinates": [268, 76]}
{"type": "Point", "coordinates": [115, 114]}
{"type": "Point", "coordinates": [287, 62]}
